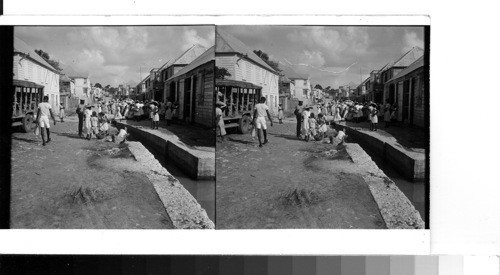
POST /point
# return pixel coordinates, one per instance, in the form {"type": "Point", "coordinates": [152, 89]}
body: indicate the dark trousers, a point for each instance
{"type": "Point", "coordinates": [80, 125]}
{"type": "Point", "coordinates": [299, 120]}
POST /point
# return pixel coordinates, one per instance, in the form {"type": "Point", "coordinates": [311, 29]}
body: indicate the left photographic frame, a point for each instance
{"type": "Point", "coordinates": [112, 127]}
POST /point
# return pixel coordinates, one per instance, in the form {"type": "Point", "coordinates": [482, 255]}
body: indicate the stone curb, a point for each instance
{"type": "Point", "coordinates": [396, 209]}
{"type": "Point", "coordinates": [410, 164]}
{"type": "Point", "coordinates": [182, 208]}
{"type": "Point", "coordinates": [197, 162]}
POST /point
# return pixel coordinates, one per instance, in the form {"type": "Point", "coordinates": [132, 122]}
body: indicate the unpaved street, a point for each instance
{"type": "Point", "coordinates": [72, 183]}
{"type": "Point", "coordinates": [289, 184]}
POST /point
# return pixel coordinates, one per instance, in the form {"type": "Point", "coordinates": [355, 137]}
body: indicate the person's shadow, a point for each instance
{"type": "Point", "coordinates": [25, 140]}
{"type": "Point", "coordinates": [290, 137]}
{"type": "Point", "coordinates": [70, 135]}
{"type": "Point", "coordinates": [240, 141]}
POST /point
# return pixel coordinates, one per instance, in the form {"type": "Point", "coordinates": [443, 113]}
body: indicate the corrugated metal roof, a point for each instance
{"type": "Point", "coordinates": [291, 74]}
{"type": "Point", "coordinates": [207, 56]}
{"type": "Point", "coordinates": [226, 43]}
{"type": "Point", "coordinates": [71, 73]}
{"type": "Point", "coordinates": [236, 83]}
{"type": "Point", "coordinates": [22, 47]}
{"type": "Point", "coordinates": [413, 66]}
{"type": "Point", "coordinates": [190, 55]}
{"type": "Point", "coordinates": [410, 57]}
{"type": "Point", "coordinates": [406, 59]}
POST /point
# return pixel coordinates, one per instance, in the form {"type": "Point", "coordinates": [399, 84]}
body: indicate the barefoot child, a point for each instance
{"type": "Point", "coordinates": [312, 127]}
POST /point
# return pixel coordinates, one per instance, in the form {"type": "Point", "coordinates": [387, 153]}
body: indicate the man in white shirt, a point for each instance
{"type": "Point", "coordinates": [42, 116]}
{"type": "Point", "coordinates": [259, 119]}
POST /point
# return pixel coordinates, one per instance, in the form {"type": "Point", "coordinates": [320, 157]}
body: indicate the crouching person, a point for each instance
{"type": "Point", "coordinates": [121, 137]}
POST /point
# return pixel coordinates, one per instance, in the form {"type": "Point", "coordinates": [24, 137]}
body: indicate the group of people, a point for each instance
{"type": "Point", "coordinates": [356, 112]}
{"type": "Point", "coordinates": [91, 122]}
{"type": "Point", "coordinates": [315, 126]}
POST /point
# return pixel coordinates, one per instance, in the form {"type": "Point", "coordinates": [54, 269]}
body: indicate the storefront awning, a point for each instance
{"type": "Point", "coordinates": [27, 84]}
{"type": "Point", "coordinates": [236, 83]}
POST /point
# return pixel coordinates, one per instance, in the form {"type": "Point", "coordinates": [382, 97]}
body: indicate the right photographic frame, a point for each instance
{"type": "Point", "coordinates": [322, 127]}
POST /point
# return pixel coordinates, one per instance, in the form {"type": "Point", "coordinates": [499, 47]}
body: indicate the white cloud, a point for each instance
{"type": "Point", "coordinates": [313, 58]}
{"type": "Point", "coordinates": [411, 40]}
{"type": "Point", "coordinates": [88, 60]}
{"type": "Point", "coordinates": [191, 37]}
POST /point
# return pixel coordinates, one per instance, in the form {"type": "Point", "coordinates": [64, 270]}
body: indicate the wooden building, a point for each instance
{"type": "Point", "coordinates": [407, 90]}
{"type": "Point", "coordinates": [244, 65]}
{"type": "Point", "coordinates": [193, 88]}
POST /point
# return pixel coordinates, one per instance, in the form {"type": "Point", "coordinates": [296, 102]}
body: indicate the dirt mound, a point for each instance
{"type": "Point", "coordinates": [299, 197]}
{"type": "Point", "coordinates": [87, 195]}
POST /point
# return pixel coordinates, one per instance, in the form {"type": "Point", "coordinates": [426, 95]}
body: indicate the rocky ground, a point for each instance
{"type": "Point", "coordinates": [289, 184]}
{"type": "Point", "coordinates": [69, 184]}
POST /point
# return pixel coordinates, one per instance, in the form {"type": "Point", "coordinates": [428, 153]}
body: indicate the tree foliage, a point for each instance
{"type": "Point", "coordinates": [46, 56]}
{"type": "Point", "coordinates": [318, 87]}
{"type": "Point", "coordinates": [264, 56]}
{"type": "Point", "coordinates": [98, 85]}
{"type": "Point", "coordinates": [221, 72]}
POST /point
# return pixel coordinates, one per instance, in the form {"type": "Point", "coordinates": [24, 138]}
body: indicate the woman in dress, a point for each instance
{"type": "Point", "coordinates": [280, 114]}
{"type": "Point", "coordinates": [374, 118]}
{"type": "Point", "coordinates": [220, 128]}
{"type": "Point", "coordinates": [305, 121]}
{"type": "Point", "coordinates": [88, 125]}
{"type": "Point", "coordinates": [155, 116]}
{"type": "Point", "coordinates": [118, 113]}
{"type": "Point", "coordinates": [387, 114]}
{"type": "Point", "coordinates": [61, 112]}
{"type": "Point", "coordinates": [168, 112]}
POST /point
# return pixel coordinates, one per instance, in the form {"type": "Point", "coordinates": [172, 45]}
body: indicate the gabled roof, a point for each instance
{"type": "Point", "coordinates": [291, 74]}
{"type": "Point", "coordinates": [226, 43]}
{"type": "Point", "coordinates": [65, 78]}
{"type": "Point", "coordinates": [352, 85]}
{"type": "Point", "coordinates": [284, 79]}
{"type": "Point", "coordinates": [412, 67]}
{"type": "Point", "coordinates": [207, 56]}
{"type": "Point", "coordinates": [186, 57]}
{"type": "Point", "coordinates": [71, 73]}
{"type": "Point", "coordinates": [21, 47]}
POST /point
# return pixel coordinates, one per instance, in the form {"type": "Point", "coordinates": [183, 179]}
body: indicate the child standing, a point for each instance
{"type": "Point", "coordinates": [94, 123]}
{"type": "Point", "coordinates": [281, 115]}
{"type": "Point", "coordinates": [312, 127]}
{"type": "Point", "coordinates": [156, 116]}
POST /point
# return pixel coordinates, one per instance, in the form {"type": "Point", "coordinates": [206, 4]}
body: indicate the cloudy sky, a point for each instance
{"type": "Point", "coordinates": [334, 55]}
{"type": "Point", "coordinates": [115, 55]}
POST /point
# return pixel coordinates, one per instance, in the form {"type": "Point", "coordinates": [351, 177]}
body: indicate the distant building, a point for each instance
{"type": "Point", "coordinates": [32, 69]}
{"type": "Point", "coordinates": [66, 90]}
{"type": "Point", "coordinates": [244, 65]}
{"type": "Point", "coordinates": [194, 90]}
{"type": "Point", "coordinates": [407, 90]}
{"type": "Point", "coordinates": [300, 88]}
{"type": "Point", "coordinates": [361, 90]}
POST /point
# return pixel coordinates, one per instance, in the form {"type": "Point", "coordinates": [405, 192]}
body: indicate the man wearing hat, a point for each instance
{"type": "Point", "coordinates": [219, 120]}
{"type": "Point", "coordinates": [298, 116]}
{"type": "Point", "coordinates": [79, 112]}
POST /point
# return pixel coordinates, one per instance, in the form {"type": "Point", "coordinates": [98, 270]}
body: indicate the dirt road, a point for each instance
{"type": "Point", "coordinates": [67, 184]}
{"type": "Point", "coordinates": [285, 185]}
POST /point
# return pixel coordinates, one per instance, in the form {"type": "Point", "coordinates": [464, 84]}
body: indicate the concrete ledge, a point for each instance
{"type": "Point", "coordinates": [409, 163]}
{"type": "Point", "coordinates": [197, 162]}
{"type": "Point", "coordinates": [396, 209]}
{"type": "Point", "coordinates": [182, 208]}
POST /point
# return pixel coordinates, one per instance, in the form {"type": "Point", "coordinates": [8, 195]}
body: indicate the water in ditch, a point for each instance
{"type": "Point", "coordinates": [415, 191]}
{"type": "Point", "coordinates": [202, 190]}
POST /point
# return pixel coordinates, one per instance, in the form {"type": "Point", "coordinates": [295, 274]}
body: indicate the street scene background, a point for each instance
{"type": "Point", "coordinates": [347, 144]}
{"type": "Point", "coordinates": [130, 141]}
